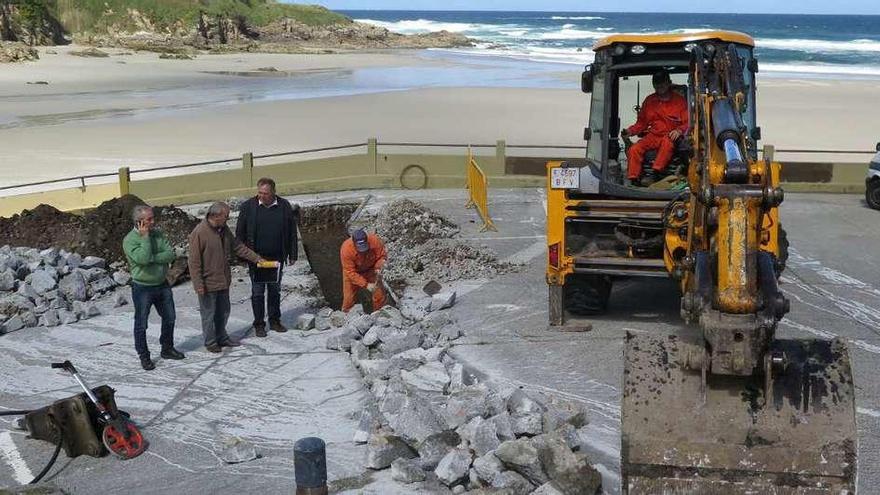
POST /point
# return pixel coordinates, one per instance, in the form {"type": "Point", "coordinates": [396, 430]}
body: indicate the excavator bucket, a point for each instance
{"type": "Point", "coordinates": [681, 437]}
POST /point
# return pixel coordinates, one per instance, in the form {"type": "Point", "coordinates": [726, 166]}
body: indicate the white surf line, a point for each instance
{"type": "Point", "coordinates": [11, 455]}
{"type": "Point", "coordinates": [868, 412]}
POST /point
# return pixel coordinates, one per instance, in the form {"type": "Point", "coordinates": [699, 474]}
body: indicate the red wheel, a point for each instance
{"type": "Point", "coordinates": [128, 443]}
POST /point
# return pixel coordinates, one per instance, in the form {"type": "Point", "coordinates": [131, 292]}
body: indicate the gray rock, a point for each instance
{"type": "Point", "coordinates": [371, 338]}
{"type": "Point", "coordinates": [454, 467]}
{"type": "Point", "coordinates": [361, 322]}
{"type": "Point", "coordinates": [58, 303]}
{"type": "Point", "coordinates": [435, 447]}
{"type": "Point", "coordinates": [337, 318]}
{"type": "Point", "coordinates": [73, 287]}
{"type": "Point", "coordinates": [374, 369]}
{"type": "Point", "coordinates": [412, 417]}
{"type": "Point", "coordinates": [459, 489]}
{"type": "Point", "coordinates": [442, 300]}
{"type": "Point", "coordinates": [91, 310]}
{"type": "Point", "coordinates": [528, 424]}
{"type": "Point", "coordinates": [487, 467]}
{"type": "Point", "coordinates": [13, 324]}
{"type": "Point", "coordinates": [43, 281]}
{"type": "Point", "coordinates": [29, 318]}
{"type": "Point", "coordinates": [522, 457]}
{"type": "Point", "coordinates": [367, 424]}
{"type": "Point", "coordinates": [92, 262]}
{"type": "Point", "coordinates": [11, 304]}
{"type": "Point", "coordinates": [549, 489]}
{"type": "Point", "coordinates": [562, 414]}
{"type": "Point", "coordinates": [101, 285]}
{"type": "Point", "coordinates": [50, 318]}
{"type": "Point", "coordinates": [33, 265]}
{"type": "Point", "coordinates": [354, 312]}
{"type": "Point", "coordinates": [359, 352]}
{"type": "Point", "coordinates": [512, 481]}
{"type": "Point", "coordinates": [521, 403]}
{"type": "Point", "coordinates": [51, 295]}
{"type": "Point", "coordinates": [22, 272]}
{"type": "Point", "coordinates": [342, 340]}
{"type": "Point", "coordinates": [570, 472]}
{"type": "Point", "coordinates": [384, 448]}
{"type": "Point", "coordinates": [236, 450]}
{"type": "Point", "coordinates": [305, 321]}
{"type": "Point", "coordinates": [67, 317]}
{"type": "Point", "coordinates": [481, 436]}
{"type": "Point", "coordinates": [73, 261]}
{"type": "Point", "coordinates": [458, 378]}
{"type": "Point", "coordinates": [570, 434]}
{"type": "Point", "coordinates": [325, 312]}
{"type": "Point", "coordinates": [399, 340]}
{"type": "Point", "coordinates": [415, 310]}
{"type": "Point", "coordinates": [121, 300]}
{"type": "Point", "coordinates": [431, 377]}
{"type": "Point", "coordinates": [41, 308]}
{"type": "Point", "coordinates": [407, 471]}
{"type": "Point", "coordinates": [388, 316]}
{"type": "Point", "coordinates": [50, 256]}
{"type": "Point", "coordinates": [450, 332]}
{"type": "Point", "coordinates": [466, 404]}
{"type": "Point", "coordinates": [121, 277]}
{"type": "Point", "coordinates": [7, 280]}
{"type": "Point", "coordinates": [503, 426]}
{"type": "Point", "coordinates": [322, 324]}
{"type": "Point", "coordinates": [25, 289]}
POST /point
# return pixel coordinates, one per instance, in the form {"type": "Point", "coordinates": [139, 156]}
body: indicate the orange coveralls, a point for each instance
{"type": "Point", "coordinates": [658, 118]}
{"type": "Point", "coordinates": [359, 269]}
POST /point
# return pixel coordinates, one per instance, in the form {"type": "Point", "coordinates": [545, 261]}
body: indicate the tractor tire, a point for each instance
{"type": "Point", "coordinates": [782, 259]}
{"type": "Point", "coordinates": [587, 295]}
{"type": "Point", "coordinates": [872, 194]}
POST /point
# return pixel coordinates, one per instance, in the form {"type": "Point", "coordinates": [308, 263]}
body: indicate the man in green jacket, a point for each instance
{"type": "Point", "coordinates": [149, 255]}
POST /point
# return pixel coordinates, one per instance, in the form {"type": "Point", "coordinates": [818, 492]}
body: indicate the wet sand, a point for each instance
{"type": "Point", "coordinates": [96, 115]}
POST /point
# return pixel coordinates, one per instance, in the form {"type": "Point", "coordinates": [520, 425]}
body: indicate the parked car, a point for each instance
{"type": "Point", "coordinates": [872, 182]}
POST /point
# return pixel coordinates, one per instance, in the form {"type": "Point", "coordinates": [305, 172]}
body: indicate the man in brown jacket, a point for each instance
{"type": "Point", "coordinates": [211, 248]}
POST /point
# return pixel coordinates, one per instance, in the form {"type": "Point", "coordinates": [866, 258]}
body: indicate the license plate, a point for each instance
{"type": "Point", "coordinates": [565, 178]}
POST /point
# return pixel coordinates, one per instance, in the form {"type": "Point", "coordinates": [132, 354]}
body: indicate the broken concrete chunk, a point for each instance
{"type": "Point", "coordinates": [237, 450]}
{"type": "Point", "coordinates": [442, 300]}
{"type": "Point", "coordinates": [92, 262]}
{"type": "Point", "coordinates": [50, 318]}
{"type": "Point", "coordinates": [522, 457]}
{"type": "Point", "coordinates": [521, 403]}
{"type": "Point", "coordinates": [483, 437]}
{"type": "Point", "coordinates": [371, 338]}
{"type": "Point", "coordinates": [514, 482]}
{"type": "Point", "coordinates": [407, 471]}
{"type": "Point", "coordinates": [322, 324]}
{"type": "Point", "coordinates": [355, 311]}
{"type": "Point", "coordinates": [466, 404]}
{"type": "Point", "coordinates": [359, 352]}
{"type": "Point", "coordinates": [305, 321]}
{"type": "Point", "coordinates": [454, 467]}
{"type": "Point", "coordinates": [73, 287]}
{"type": "Point", "coordinates": [13, 324]}
{"type": "Point", "coordinates": [50, 256]}
{"type": "Point", "coordinates": [43, 281]}
{"type": "Point", "coordinates": [367, 424]}
{"type": "Point", "coordinates": [528, 424]}
{"type": "Point", "coordinates": [7, 280]}
{"type": "Point", "coordinates": [337, 318]}
{"type": "Point", "coordinates": [435, 447]}
{"type": "Point", "coordinates": [383, 448]}
{"type": "Point", "coordinates": [121, 277]}
{"type": "Point", "coordinates": [487, 467]}
{"type": "Point", "coordinates": [431, 377]}
{"type": "Point", "coordinates": [29, 319]}
{"type": "Point", "coordinates": [399, 341]}
{"type": "Point", "coordinates": [412, 417]}
{"type": "Point", "coordinates": [549, 489]}
{"type": "Point", "coordinates": [361, 322]}
{"type": "Point", "coordinates": [503, 426]}
{"type": "Point", "coordinates": [67, 317]}
{"type": "Point", "coordinates": [27, 291]}
{"type": "Point", "coordinates": [570, 471]}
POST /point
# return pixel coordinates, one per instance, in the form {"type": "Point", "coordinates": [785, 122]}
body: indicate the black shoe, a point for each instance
{"type": "Point", "coordinates": [230, 343]}
{"type": "Point", "coordinates": [277, 326]}
{"type": "Point", "coordinates": [147, 363]}
{"type": "Point", "coordinates": [171, 353]}
{"type": "Point", "coordinates": [260, 329]}
{"type": "Point", "coordinates": [215, 348]}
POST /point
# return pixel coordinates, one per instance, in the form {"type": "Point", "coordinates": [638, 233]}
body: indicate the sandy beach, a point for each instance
{"type": "Point", "coordinates": [97, 114]}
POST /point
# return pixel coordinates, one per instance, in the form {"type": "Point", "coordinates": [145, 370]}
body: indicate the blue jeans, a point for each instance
{"type": "Point", "coordinates": [160, 296]}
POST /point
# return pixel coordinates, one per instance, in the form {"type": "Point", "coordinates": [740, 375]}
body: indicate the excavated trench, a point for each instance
{"type": "Point", "coordinates": [324, 228]}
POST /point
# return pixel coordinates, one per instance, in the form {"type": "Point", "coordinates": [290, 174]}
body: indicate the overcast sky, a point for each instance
{"type": "Point", "coordinates": [741, 6]}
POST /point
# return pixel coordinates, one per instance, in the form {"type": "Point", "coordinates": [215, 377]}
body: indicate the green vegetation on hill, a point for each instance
{"type": "Point", "coordinates": [96, 16]}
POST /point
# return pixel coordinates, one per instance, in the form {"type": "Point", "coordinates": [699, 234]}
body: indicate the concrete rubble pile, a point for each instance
{"type": "Point", "coordinates": [53, 287]}
{"type": "Point", "coordinates": [434, 422]}
{"type": "Point", "coordinates": [421, 245]}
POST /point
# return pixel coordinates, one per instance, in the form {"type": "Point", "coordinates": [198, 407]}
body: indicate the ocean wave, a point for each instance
{"type": "Point", "coordinates": [808, 45]}
{"type": "Point", "coordinates": [418, 26]}
{"type": "Point", "coordinates": [532, 54]}
{"type": "Point", "coordinates": [571, 34]}
{"type": "Point", "coordinates": [577, 18]}
{"type": "Point", "coordinates": [822, 69]}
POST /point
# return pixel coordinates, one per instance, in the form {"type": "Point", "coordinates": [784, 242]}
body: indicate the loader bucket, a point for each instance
{"type": "Point", "coordinates": [801, 440]}
{"type": "Point", "coordinates": [324, 228]}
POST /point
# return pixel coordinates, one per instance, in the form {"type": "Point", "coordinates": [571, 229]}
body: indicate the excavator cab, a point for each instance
{"type": "Point", "coordinates": [724, 406]}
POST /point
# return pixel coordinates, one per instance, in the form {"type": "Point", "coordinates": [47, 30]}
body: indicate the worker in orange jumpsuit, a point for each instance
{"type": "Point", "coordinates": [664, 119]}
{"type": "Point", "coordinates": [363, 256]}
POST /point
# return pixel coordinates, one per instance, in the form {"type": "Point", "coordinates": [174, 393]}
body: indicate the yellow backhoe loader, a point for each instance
{"type": "Point", "coordinates": [723, 406]}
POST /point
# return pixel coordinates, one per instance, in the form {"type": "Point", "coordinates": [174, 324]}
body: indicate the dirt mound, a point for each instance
{"type": "Point", "coordinates": [98, 233]}
{"type": "Point", "coordinates": [41, 228]}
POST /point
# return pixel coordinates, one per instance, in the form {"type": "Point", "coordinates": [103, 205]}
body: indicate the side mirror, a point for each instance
{"type": "Point", "coordinates": [587, 79]}
{"type": "Point", "coordinates": [753, 65]}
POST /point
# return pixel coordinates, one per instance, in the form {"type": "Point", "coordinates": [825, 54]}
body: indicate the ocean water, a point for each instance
{"type": "Point", "coordinates": [843, 46]}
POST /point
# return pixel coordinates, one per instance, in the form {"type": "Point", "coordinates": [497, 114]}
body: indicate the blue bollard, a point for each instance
{"type": "Point", "coordinates": [310, 465]}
